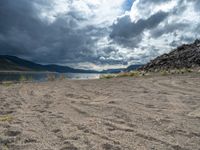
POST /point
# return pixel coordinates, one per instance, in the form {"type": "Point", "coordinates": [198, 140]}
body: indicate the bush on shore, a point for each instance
{"type": "Point", "coordinates": [123, 74]}
{"type": "Point", "coordinates": [147, 73]}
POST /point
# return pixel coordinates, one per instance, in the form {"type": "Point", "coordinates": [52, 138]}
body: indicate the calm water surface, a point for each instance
{"type": "Point", "coordinates": [44, 76]}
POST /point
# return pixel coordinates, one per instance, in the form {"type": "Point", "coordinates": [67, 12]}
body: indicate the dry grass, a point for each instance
{"type": "Point", "coordinates": [7, 83]}
{"type": "Point", "coordinates": [124, 74]}
{"type": "Point", "coordinates": [6, 118]}
{"type": "Point", "coordinates": [22, 78]}
{"type": "Point", "coordinates": [51, 77]}
{"type": "Point", "coordinates": [107, 76]}
{"type": "Point", "coordinates": [175, 71]}
{"type": "Point", "coordinates": [62, 77]}
{"type": "Point", "coordinates": [144, 73]}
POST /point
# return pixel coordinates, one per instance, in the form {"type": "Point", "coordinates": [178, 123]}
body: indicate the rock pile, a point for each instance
{"type": "Point", "coordinates": [185, 56]}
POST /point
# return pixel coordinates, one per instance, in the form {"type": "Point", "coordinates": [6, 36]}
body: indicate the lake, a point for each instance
{"type": "Point", "coordinates": [44, 76]}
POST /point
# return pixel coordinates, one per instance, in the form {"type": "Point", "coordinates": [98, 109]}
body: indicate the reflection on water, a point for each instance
{"type": "Point", "coordinates": [44, 76]}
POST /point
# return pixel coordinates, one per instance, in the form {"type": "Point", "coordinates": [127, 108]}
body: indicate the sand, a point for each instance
{"type": "Point", "coordinates": [145, 113]}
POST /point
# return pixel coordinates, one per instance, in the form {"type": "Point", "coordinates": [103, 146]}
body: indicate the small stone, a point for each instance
{"type": "Point", "coordinates": [12, 132]}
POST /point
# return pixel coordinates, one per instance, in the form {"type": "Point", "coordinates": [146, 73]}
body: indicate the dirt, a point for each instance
{"type": "Point", "coordinates": [144, 113]}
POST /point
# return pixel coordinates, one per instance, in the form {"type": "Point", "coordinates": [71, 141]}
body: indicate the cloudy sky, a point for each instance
{"type": "Point", "coordinates": [96, 34]}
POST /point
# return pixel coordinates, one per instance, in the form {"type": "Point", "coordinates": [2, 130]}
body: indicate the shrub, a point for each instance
{"type": "Point", "coordinates": [22, 78]}
{"type": "Point", "coordinates": [124, 74]}
{"type": "Point", "coordinates": [30, 78]}
{"type": "Point", "coordinates": [51, 77]}
{"type": "Point", "coordinates": [136, 74]}
{"type": "Point", "coordinates": [108, 76]}
{"type": "Point", "coordinates": [164, 72]}
{"type": "Point", "coordinates": [62, 77]}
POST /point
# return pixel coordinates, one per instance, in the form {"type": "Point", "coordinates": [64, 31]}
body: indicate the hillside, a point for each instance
{"type": "Point", "coordinates": [185, 56]}
{"type": "Point", "coordinates": [12, 63]}
{"type": "Point", "coordinates": [133, 67]}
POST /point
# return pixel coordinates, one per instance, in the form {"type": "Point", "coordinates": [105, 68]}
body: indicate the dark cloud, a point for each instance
{"type": "Point", "coordinates": [124, 30]}
{"type": "Point", "coordinates": [197, 5]}
{"type": "Point", "coordinates": [168, 28]}
{"type": "Point", "coordinates": [23, 33]}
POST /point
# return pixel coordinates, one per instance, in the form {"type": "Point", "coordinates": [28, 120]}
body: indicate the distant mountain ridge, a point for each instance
{"type": "Point", "coordinates": [13, 63]}
{"type": "Point", "coordinates": [133, 67]}
{"type": "Point", "coordinates": [185, 56]}
{"type": "Point", "coordinates": [119, 70]}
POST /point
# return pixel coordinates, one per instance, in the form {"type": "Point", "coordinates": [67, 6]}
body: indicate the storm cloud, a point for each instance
{"type": "Point", "coordinates": [124, 29]}
{"type": "Point", "coordinates": [98, 33]}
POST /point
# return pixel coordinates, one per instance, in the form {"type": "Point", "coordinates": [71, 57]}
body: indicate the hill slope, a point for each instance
{"type": "Point", "coordinates": [133, 67]}
{"type": "Point", "coordinates": [185, 56]}
{"type": "Point", "coordinates": [12, 63]}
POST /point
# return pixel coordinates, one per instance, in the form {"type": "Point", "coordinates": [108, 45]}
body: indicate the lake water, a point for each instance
{"type": "Point", "coordinates": [44, 76]}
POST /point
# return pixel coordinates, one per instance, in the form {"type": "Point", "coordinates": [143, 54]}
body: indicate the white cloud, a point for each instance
{"type": "Point", "coordinates": [96, 12]}
{"type": "Point", "coordinates": [178, 28]}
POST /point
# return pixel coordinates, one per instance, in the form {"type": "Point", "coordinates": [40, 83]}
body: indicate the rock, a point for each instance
{"type": "Point", "coordinates": [185, 56]}
{"type": "Point", "coordinates": [13, 132]}
{"type": "Point", "coordinates": [108, 146]}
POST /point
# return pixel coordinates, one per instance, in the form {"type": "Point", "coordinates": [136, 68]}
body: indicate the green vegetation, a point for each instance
{"type": "Point", "coordinates": [22, 78]}
{"type": "Point", "coordinates": [30, 78]}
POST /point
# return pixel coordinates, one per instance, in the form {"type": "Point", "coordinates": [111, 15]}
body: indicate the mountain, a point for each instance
{"type": "Point", "coordinates": [8, 63]}
{"type": "Point", "coordinates": [133, 67]}
{"type": "Point", "coordinates": [185, 56]}
{"type": "Point", "coordinates": [65, 69]}
{"type": "Point", "coordinates": [128, 69]}
{"type": "Point", "coordinates": [113, 70]}
{"type": "Point", "coordinates": [12, 63]}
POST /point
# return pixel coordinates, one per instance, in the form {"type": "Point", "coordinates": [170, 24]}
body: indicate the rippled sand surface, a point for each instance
{"type": "Point", "coordinates": [158, 113]}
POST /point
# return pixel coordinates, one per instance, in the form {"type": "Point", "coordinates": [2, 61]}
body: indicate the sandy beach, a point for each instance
{"type": "Point", "coordinates": [144, 113]}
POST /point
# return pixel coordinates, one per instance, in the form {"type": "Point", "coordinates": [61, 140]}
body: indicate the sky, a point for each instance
{"type": "Point", "coordinates": [96, 34]}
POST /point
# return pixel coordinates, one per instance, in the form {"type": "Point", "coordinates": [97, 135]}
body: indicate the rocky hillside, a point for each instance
{"type": "Point", "coordinates": [185, 56]}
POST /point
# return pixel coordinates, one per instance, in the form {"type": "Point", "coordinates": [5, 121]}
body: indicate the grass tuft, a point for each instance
{"type": "Point", "coordinates": [164, 72]}
{"type": "Point", "coordinates": [6, 118]}
{"type": "Point", "coordinates": [51, 77]}
{"type": "Point", "coordinates": [107, 76]}
{"type": "Point", "coordinates": [62, 77]}
{"type": "Point", "coordinates": [22, 78]}
{"type": "Point", "coordinates": [7, 83]}
{"type": "Point", "coordinates": [124, 74]}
